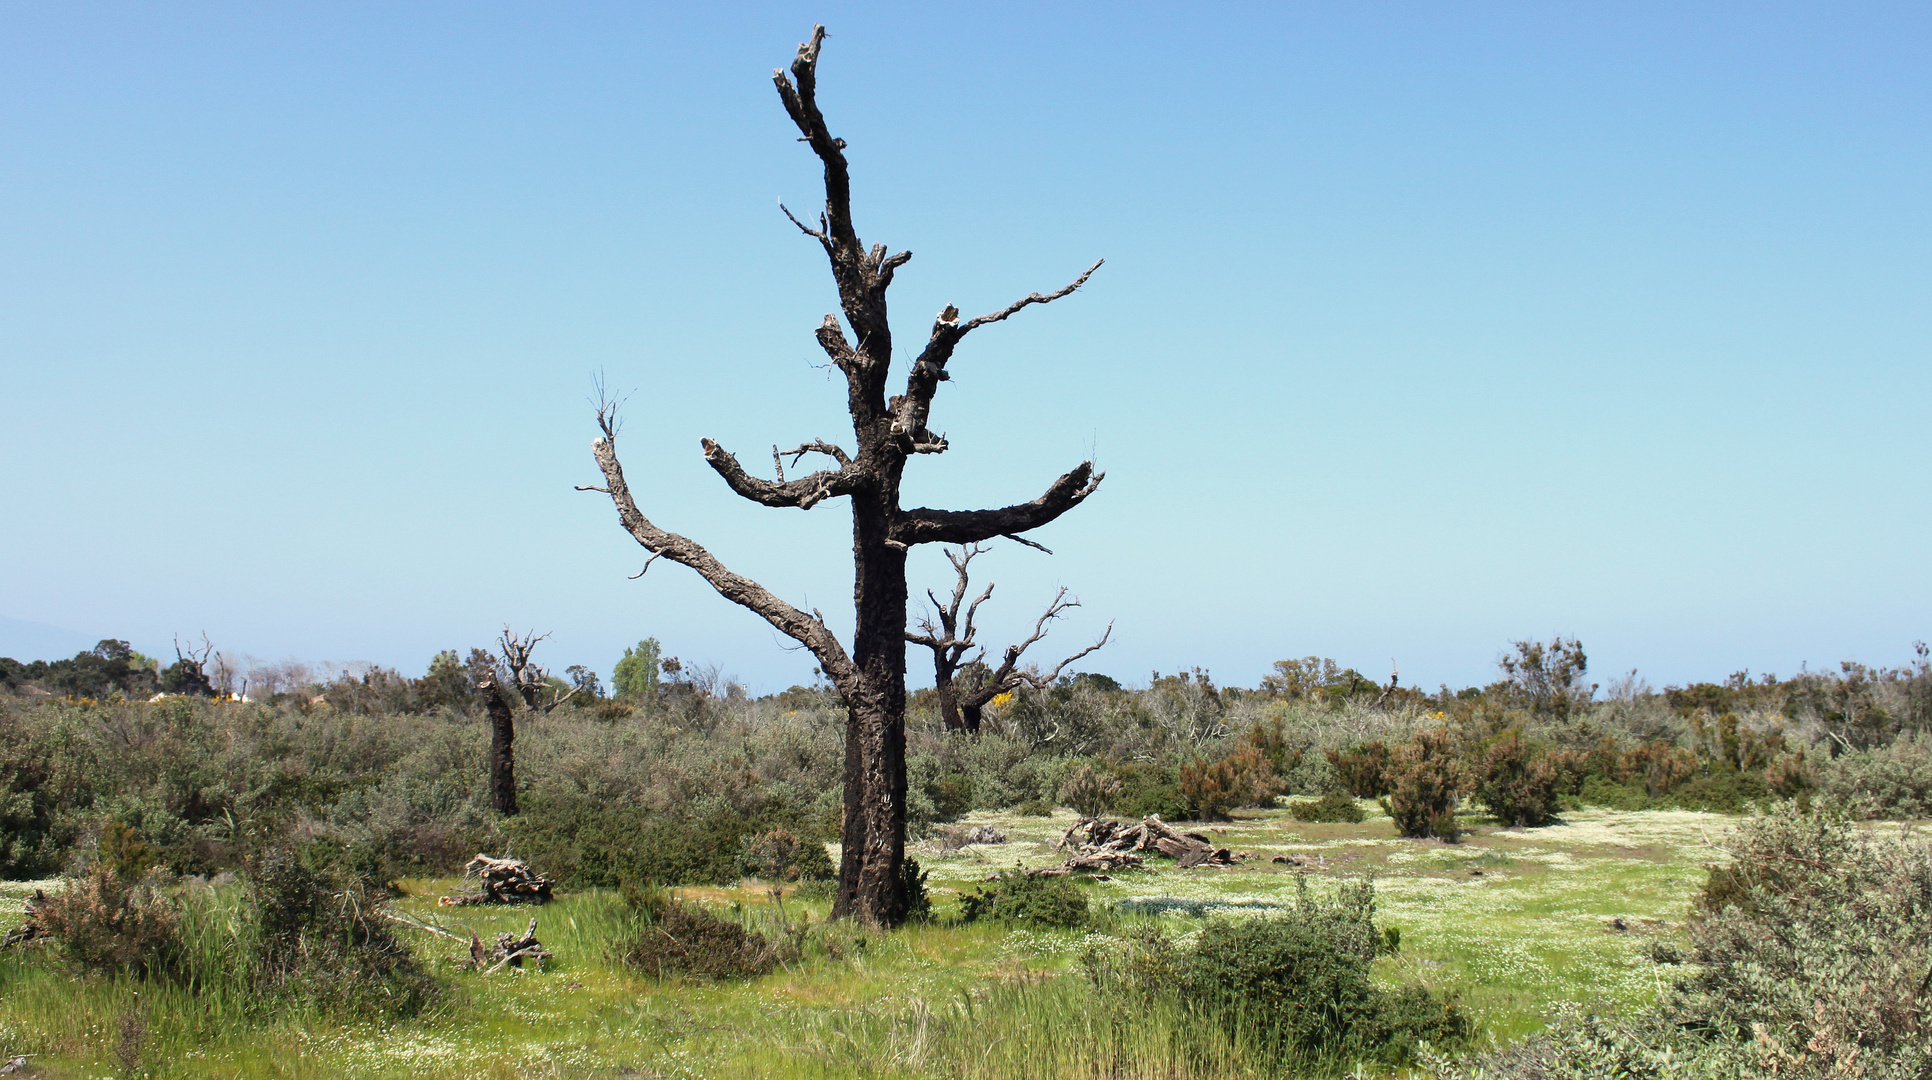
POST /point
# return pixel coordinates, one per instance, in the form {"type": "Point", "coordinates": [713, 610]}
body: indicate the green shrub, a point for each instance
{"type": "Point", "coordinates": [1724, 791]}
{"type": "Point", "coordinates": [1363, 770]}
{"type": "Point", "coordinates": [1022, 899]}
{"type": "Point", "coordinates": [1426, 779]}
{"type": "Point", "coordinates": [1301, 984]}
{"type": "Point", "coordinates": [1813, 944]}
{"type": "Point", "coordinates": [676, 938]}
{"type": "Point", "coordinates": [323, 941]}
{"type": "Point", "coordinates": [1332, 807]}
{"type": "Point", "coordinates": [1089, 791]}
{"type": "Point", "coordinates": [1243, 778]}
{"type": "Point", "coordinates": [1588, 1046]}
{"type": "Point", "coordinates": [584, 844]}
{"type": "Point", "coordinates": [1890, 782]}
{"type": "Point", "coordinates": [918, 902]}
{"type": "Point", "coordinates": [1519, 783]}
{"type": "Point", "coordinates": [1148, 787]}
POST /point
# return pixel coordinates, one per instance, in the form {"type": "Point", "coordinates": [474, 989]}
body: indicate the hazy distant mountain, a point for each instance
{"type": "Point", "coordinates": [26, 641]}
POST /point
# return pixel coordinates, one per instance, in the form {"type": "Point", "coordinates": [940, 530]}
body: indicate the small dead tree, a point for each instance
{"type": "Point", "coordinates": [952, 639]}
{"type": "Point", "coordinates": [888, 432]}
{"type": "Point", "coordinates": [514, 681]}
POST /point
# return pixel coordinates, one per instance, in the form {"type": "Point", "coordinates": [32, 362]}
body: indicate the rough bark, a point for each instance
{"type": "Point", "coordinates": [887, 432]}
{"type": "Point", "coordinates": [503, 737]}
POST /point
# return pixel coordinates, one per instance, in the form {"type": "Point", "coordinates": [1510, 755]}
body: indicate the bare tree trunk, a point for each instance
{"type": "Point", "coordinates": [872, 677]}
{"type": "Point", "coordinates": [949, 705]}
{"type": "Point", "coordinates": [503, 736]}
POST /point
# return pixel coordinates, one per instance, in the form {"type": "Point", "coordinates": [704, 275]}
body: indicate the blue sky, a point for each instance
{"type": "Point", "coordinates": [1423, 327]}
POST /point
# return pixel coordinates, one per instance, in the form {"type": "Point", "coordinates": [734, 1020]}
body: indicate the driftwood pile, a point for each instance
{"type": "Point", "coordinates": [30, 929]}
{"type": "Point", "coordinates": [504, 881]}
{"type": "Point", "coordinates": [1115, 845]}
{"type": "Point", "coordinates": [509, 950]}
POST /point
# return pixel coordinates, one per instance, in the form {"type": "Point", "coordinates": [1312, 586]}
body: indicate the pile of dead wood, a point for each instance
{"type": "Point", "coordinates": [504, 881]}
{"type": "Point", "coordinates": [30, 929]}
{"type": "Point", "coordinates": [509, 950]}
{"type": "Point", "coordinates": [1097, 844]}
{"type": "Point", "coordinates": [958, 836]}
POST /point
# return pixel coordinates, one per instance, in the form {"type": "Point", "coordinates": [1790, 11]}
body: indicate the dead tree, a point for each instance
{"type": "Point", "coordinates": [510, 683]}
{"type": "Point", "coordinates": [888, 431]}
{"type": "Point", "coordinates": [952, 639]}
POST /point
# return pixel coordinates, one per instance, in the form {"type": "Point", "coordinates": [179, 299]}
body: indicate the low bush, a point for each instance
{"type": "Point", "coordinates": [1148, 787]}
{"type": "Point", "coordinates": [1813, 944]}
{"type": "Point", "coordinates": [1520, 783]}
{"type": "Point", "coordinates": [324, 943]}
{"type": "Point", "coordinates": [1891, 782]}
{"type": "Point", "coordinates": [1809, 952]}
{"type": "Point", "coordinates": [584, 844]}
{"type": "Point", "coordinates": [1363, 770]}
{"type": "Point", "coordinates": [106, 923]}
{"type": "Point", "coordinates": [1332, 807]}
{"type": "Point", "coordinates": [1426, 778]}
{"type": "Point", "coordinates": [676, 938]}
{"type": "Point", "coordinates": [918, 901]}
{"type": "Point", "coordinates": [1298, 984]}
{"type": "Point", "coordinates": [1022, 899]}
{"type": "Point", "coordinates": [1088, 791]}
{"type": "Point", "coordinates": [1243, 778]}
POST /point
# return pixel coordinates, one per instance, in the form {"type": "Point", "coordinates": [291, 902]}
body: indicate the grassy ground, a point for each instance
{"type": "Point", "coordinates": [1516, 921]}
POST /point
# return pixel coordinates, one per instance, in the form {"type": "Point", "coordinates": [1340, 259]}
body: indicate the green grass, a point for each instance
{"type": "Point", "coordinates": [1518, 922]}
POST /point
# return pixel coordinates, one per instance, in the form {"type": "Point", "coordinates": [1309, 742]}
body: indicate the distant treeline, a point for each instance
{"type": "Point", "coordinates": [668, 772]}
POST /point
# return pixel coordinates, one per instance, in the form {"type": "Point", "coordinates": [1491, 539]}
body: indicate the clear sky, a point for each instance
{"type": "Point", "coordinates": [1423, 327]}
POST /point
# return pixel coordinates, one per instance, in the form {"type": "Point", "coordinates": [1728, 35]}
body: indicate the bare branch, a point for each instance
{"type": "Point", "coordinates": [647, 565]}
{"type": "Point", "coordinates": [927, 526]}
{"type": "Point", "coordinates": [911, 411]}
{"type": "Point", "coordinates": [1041, 682]}
{"type": "Point", "coordinates": [804, 492]}
{"type": "Point", "coordinates": [816, 446]}
{"type": "Point", "coordinates": [817, 234]}
{"type": "Point", "coordinates": [1028, 543]}
{"type": "Point", "coordinates": [1028, 300]}
{"type": "Point", "coordinates": [806, 630]}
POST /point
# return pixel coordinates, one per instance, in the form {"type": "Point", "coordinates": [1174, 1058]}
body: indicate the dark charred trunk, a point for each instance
{"type": "Point", "coordinates": [948, 702]}
{"type": "Point", "coordinates": [872, 675]}
{"type": "Point", "coordinates": [969, 718]}
{"type": "Point", "coordinates": [873, 842]}
{"type": "Point", "coordinates": [503, 734]}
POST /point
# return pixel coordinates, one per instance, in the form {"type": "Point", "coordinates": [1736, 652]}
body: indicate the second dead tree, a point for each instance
{"type": "Point", "coordinates": [952, 639]}
{"type": "Point", "coordinates": [508, 684]}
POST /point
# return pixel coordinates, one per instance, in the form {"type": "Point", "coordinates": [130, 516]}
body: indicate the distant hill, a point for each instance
{"type": "Point", "coordinates": [28, 641]}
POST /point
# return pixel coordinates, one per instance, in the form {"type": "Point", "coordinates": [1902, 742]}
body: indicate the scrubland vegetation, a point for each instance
{"type": "Point", "coordinates": [1533, 878]}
